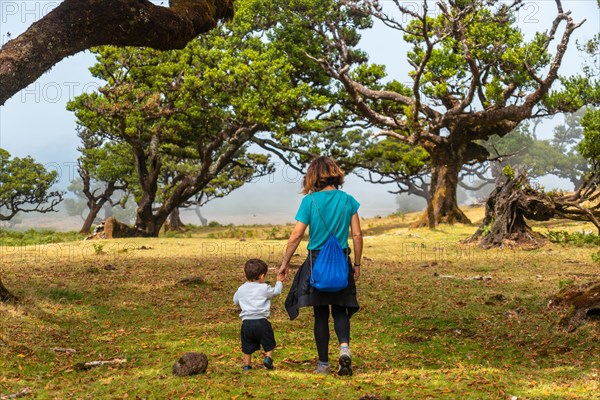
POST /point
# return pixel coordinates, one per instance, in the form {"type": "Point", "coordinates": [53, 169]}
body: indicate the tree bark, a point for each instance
{"type": "Point", "coordinates": [149, 226]}
{"type": "Point", "coordinates": [148, 167]}
{"type": "Point", "coordinates": [91, 217]}
{"type": "Point", "coordinates": [77, 25]}
{"type": "Point", "coordinates": [511, 201]}
{"type": "Point", "coordinates": [442, 205]}
{"type": "Point", "coordinates": [174, 222]}
{"type": "Point", "coordinates": [5, 295]}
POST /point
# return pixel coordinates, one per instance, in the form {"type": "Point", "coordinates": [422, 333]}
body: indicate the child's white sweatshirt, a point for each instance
{"type": "Point", "coordinates": [254, 299]}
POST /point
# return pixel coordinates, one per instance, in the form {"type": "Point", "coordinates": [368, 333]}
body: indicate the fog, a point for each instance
{"type": "Point", "coordinates": [277, 201]}
{"type": "Point", "coordinates": [274, 199]}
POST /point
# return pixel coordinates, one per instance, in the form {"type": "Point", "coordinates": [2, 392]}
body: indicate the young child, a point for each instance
{"type": "Point", "coordinates": [254, 298]}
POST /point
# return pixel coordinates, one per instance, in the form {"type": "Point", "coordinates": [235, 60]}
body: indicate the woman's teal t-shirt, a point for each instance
{"type": "Point", "coordinates": [336, 209]}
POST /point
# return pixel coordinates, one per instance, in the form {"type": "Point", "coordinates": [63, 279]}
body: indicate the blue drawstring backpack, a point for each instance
{"type": "Point", "coordinates": [330, 271]}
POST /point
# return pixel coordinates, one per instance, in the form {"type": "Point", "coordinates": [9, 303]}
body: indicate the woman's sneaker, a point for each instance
{"type": "Point", "coordinates": [345, 362]}
{"type": "Point", "coordinates": [322, 369]}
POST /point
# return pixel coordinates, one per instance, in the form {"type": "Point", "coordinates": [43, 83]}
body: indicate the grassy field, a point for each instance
{"type": "Point", "coordinates": [427, 329]}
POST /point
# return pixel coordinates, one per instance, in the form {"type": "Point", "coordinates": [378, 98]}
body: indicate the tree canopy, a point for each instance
{"type": "Point", "coordinates": [188, 116]}
{"type": "Point", "coordinates": [26, 186]}
{"type": "Point", "coordinates": [473, 75]}
{"type": "Point", "coordinates": [558, 156]}
{"type": "Point", "coordinates": [590, 145]}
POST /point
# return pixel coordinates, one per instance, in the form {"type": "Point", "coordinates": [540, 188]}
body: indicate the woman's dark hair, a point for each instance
{"type": "Point", "coordinates": [254, 268]}
{"type": "Point", "coordinates": [322, 172]}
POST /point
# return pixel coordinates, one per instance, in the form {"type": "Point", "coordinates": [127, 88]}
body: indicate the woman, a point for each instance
{"type": "Point", "coordinates": [325, 209]}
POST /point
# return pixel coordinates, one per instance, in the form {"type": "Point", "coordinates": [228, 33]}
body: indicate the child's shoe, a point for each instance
{"type": "Point", "coordinates": [247, 367]}
{"type": "Point", "coordinates": [345, 362]}
{"type": "Point", "coordinates": [268, 362]}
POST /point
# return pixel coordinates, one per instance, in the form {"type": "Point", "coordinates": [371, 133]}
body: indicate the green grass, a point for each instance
{"type": "Point", "coordinates": [425, 331]}
{"type": "Point", "coordinates": [33, 236]}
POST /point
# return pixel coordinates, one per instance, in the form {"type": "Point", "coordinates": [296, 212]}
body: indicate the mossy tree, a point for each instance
{"type": "Point", "coordinates": [106, 170]}
{"type": "Point", "coordinates": [515, 199]}
{"type": "Point", "coordinates": [188, 116]}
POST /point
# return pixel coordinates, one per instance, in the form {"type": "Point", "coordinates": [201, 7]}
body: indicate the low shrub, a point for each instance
{"type": "Point", "coordinates": [574, 238]}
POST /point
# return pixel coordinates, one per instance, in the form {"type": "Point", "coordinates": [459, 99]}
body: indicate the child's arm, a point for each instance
{"type": "Point", "coordinates": [274, 291]}
{"type": "Point", "coordinates": [236, 299]}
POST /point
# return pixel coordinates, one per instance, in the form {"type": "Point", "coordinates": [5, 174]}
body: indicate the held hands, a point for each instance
{"type": "Point", "coordinates": [282, 273]}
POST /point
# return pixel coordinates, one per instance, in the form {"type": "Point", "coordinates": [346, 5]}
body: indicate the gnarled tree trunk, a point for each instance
{"type": "Point", "coordinates": [442, 206]}
{"type": "Point", "coordinates": [513, 200]}
{"type": "Point", "coordinates": [174, 222]}
{"type": "Point", "coordinates": [107, 208]}
{"type": "Point", "coordinates": [507, 207]}
{"type": "Point", "coordinates": [149, 223]}
{"type": "Point", "coordinates": [203, 220]}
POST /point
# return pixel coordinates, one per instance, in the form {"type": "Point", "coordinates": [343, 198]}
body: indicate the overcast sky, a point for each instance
{"type": "Point", "coordinates": [35, 122]}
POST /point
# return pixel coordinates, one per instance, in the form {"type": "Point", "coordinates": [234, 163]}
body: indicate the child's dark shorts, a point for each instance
{"type": "Point", "coordinates": [256, 333]}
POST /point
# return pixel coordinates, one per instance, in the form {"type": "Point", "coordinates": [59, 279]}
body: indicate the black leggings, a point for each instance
{"type": "Point", "coordinates": [341, 324]}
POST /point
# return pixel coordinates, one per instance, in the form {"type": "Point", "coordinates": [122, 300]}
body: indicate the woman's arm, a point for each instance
{"type": "Point", "coordinates": [292, 245]}
{"type": "Point", "coordinates": [357, 241]}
